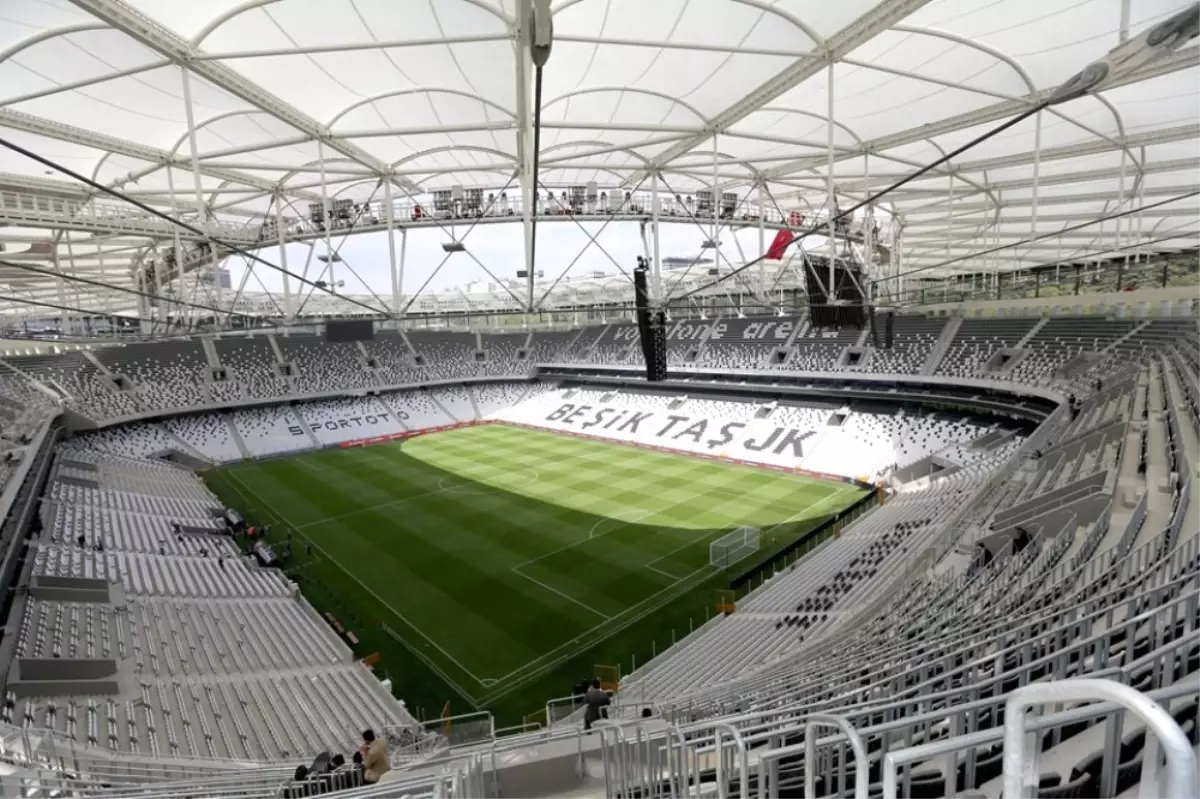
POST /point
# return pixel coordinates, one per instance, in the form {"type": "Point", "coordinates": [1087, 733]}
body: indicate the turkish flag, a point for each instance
{"type": "Point", "coordinates": [782, 239]}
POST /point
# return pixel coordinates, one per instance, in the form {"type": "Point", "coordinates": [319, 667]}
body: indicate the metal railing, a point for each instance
{"type": "Point", "coordinates": [1021, 769]}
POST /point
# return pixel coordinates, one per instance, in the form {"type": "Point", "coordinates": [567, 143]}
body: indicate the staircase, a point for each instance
{"type": "Point", "coordinates": [306, 427]}
{"type": "Point", "coordinates": [395, 411]}
{"type": "Point", "coordinates": [587, 356]}
{"type": "Point", "coordinates": [237, 438]}
{"type": "Point", "coordinates": [449, 415]}
{"type": "Point", "coordinates": [474, 404]}
{"type": "Point", "coordinates": [1137, 329]}
{"type": "Point", "coordinates": [941, 345]}
{"type": "Point", "coordinates": [703, 342]}
{"type": "Point", "coordinates": [38, 384]}
{"type": "Point", "coordinates": [210, 353]}
{"type": "Point", "coordinates": [1033, 331]}
{"type": "Point", "coordinates": [407, 343]}
{"type": "Point", "coordinates": [184, 447]}
{"type": "Point", "coordinates": [275, 348]}
{"type": "Point", "coordinates": [89, 356]}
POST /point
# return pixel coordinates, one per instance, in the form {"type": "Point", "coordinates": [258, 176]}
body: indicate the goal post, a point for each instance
{"type": "Point", "coordinates": [732, 547]}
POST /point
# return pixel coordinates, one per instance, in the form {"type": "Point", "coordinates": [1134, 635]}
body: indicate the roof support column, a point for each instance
{"type": "Point", "coordinates": [106, 296]}
{"type": "Point", "coordinates": [830, 201]}
{"type": "Point", "coordinates": [528, 201]}
{"type": "Point", "coordinates": [1141, 204]}
{"type": "Point", "coordinates": [79, 324]}
{"type": "Point", "coordinates": [716, 204]}
{"type": "Point", "coordinates": [762, 241]}
{"type": "Point", "coordinates": [400, 271]}
{"type": "Point", "coordinates": [1123, 31]}
{"type": "Point", "coordinates": [389, 218]}
{"type": "Point", "coordinates": [655, 254]}
{"type": "Point", "coordinates": [327, 216]}
{"type": "Point", "coordinates": [1121, 207]}
{"type": "Point", "coordinates": [868, 234]}
{"type": "Point", "coordinates": [897, 255]}
{"type": "Point", "coordinates": [181, 310]}
{"type": "Point", "coordinates": [1037, 168]}
{"type": "Point", "coordinates": [281, 232]}
{"type": "Point", "coordinates": [201, 208]}
{"type": "Point", "coordinates": [61, 285]}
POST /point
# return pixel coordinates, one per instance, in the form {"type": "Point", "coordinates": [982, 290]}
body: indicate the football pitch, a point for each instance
{"type": "Point", "coordinates": [493, 567]}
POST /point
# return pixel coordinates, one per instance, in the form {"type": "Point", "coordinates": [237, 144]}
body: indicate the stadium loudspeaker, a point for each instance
{"type": "Point", "coordinates": [652, 327]}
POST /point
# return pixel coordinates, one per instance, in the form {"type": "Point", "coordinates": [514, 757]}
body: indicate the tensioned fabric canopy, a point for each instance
{"type": "Point", "coordinates": [271, 100]}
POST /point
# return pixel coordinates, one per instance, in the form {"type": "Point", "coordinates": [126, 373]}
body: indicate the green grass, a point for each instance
{"type": "Point", "coordinates": [493, 567]}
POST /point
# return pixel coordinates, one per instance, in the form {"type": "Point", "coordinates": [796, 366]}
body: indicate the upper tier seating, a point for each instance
{"type": "Point", "coordinates": [167, 374]}
{"type": "Point", "coordinates": [615, 345]}
{"type": "Point", "coordinates": [22, 407]}
{"type": "Point", "coordinates": [913, 340]}
{"type": "Point", "coordinates": [502, 349]}
{"type": "Point", "coordinates": [394, 364]}
{"type": "Point", "coordinates": [977, 340]}
{"type": "Point", "coordinates": [322, 366]}
{"type": "Point", "coordinates": [747, 342]}
{"type": "Point", "coordinates": [551, 346]}
{"type": "Point", "coordinates": [252, 367]}
{"type": "Point", "coordinates": [448, 356]}
{"type": "Point", "coordinates": [1062, 339]}
{"type": "Point", "coordinates": [75, 375]}
{"type": "Point", "coordinates": [819, 350]}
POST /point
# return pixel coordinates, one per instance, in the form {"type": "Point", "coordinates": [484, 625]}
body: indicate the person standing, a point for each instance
{"type": "Point", "coordinates": [596, 700]}
{"type": "Point", "coordinates": [375, 757]}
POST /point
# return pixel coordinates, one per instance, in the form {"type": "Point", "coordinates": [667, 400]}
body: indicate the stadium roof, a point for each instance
{"type": "Point", "coordinates": [277, 103]}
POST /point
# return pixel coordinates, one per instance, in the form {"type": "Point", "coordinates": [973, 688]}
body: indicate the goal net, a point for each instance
{"type": "Point", "coordinates": [732, 547]}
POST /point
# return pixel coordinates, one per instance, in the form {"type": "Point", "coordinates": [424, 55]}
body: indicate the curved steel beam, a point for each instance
{"type": "Point", "coordinates": [46, 35]}
{"type": "Point", "coordinates": [627, 89]}
{"type": "Point", "coordinates": [250, 5]}
{"type": "Point", "coordinates": [402, 92]}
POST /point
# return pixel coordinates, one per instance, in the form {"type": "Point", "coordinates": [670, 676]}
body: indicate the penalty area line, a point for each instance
{"type": "Point", "coordinates": [517, 570]}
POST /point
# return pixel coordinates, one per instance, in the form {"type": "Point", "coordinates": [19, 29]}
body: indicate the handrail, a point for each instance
{"type": "Point", "coordinates": [861, 777]}
{"type": "Point", "coordinates": [740, 743]}
{"type": "Point", "coordinates": [1021, 769]}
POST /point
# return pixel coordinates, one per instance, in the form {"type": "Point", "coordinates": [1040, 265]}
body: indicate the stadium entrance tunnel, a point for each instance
{"type": "Point", "coordinates": [476, 583]}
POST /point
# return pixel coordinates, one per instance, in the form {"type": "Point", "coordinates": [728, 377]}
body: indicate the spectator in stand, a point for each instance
{"type": "Point", "coordinates": [375, 757]}
{"type": "Point", "coordinates": [299, 788]}
{"type": "Point", "coordinates": [597, 703]}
